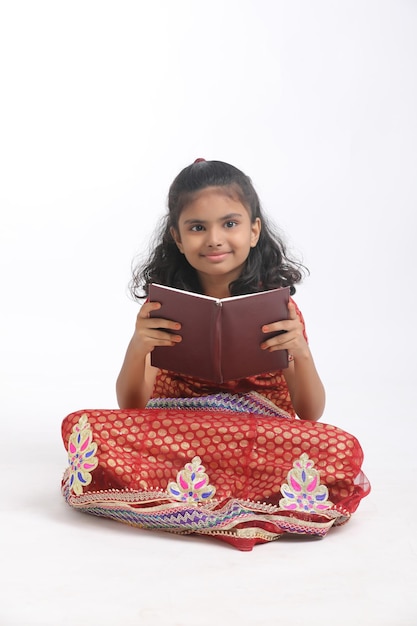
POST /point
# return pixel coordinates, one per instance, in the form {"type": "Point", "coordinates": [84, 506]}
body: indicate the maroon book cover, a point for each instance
{"type": "Point", "coordinates": [221, 338]}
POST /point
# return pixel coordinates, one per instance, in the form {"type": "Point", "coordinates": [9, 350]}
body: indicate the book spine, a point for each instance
{"type": "Point", "coordinates": [217, 352]}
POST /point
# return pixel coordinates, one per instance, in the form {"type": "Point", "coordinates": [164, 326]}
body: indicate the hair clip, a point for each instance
{"type": "Point", "coordinates": [199, 160]}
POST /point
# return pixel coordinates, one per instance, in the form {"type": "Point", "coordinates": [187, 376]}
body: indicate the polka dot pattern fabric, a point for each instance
{"type": "Point", "coordinates": [246, 456]}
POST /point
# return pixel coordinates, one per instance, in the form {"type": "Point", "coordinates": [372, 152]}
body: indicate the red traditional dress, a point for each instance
{"type": "Point", "coordinates": [230, 461]}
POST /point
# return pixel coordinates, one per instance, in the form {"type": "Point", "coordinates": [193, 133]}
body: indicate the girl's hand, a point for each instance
{"type": "Point", "coordinates": [154, 331]}
{"type": "Point", "coordinates": [291, 337]}
{"type": "Point", "coordinates": [136, 379]}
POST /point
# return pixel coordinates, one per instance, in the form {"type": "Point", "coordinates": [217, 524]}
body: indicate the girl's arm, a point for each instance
{"type": "Point", "coordinates": [305, 387]}
{"type": "Point", "coordinates": [136, 380]}
{"type": "Point", "coordinates": [304, 384]}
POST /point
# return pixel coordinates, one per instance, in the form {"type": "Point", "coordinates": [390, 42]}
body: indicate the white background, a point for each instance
{"type": "Point", "coordinates": [102, 104]}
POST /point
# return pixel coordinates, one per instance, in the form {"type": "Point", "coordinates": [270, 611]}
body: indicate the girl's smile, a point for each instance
{"type": "Point", "coordinates": [216, 257]}
{"type": "Point", "coordinates": [215, 233]}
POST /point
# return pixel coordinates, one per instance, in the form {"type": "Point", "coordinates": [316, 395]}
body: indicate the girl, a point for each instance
{"type": "Point", "coordinates": [227, 460]}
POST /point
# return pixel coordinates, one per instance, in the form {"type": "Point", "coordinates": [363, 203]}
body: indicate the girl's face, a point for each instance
{"type": "Point", "coordinates": [215, 233]}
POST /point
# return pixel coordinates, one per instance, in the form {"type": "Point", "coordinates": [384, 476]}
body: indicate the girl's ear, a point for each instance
{"type": "Point", "coordinates": [256, 227]}
{"type": "Point", "coordinates": [176, 237]}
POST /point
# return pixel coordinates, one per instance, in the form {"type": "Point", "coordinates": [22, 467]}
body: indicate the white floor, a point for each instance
{"type": "Point", "coordinates": [60, 567]}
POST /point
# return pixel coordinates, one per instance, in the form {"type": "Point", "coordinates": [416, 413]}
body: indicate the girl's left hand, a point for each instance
{"type": "Point", "coordinates": [292, 339]}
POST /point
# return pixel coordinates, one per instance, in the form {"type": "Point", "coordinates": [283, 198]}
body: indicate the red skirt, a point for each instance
{"type": "Point", "coordinates": [233, 469]}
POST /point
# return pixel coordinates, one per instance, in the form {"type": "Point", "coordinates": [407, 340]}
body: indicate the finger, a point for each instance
{"type": "Point", "coordinates": [162, 323]}
{"type": "Point", "coordinates": [284, 325]}
{"type": "Point", "coordinates": [161, 338]}
{"type": "Point", "coordinates": [292, 311]}
{"type": "Point", "coordinates": [278, 342]}
{"type": "Point", "coordinates": [277, 327]}
{"type": "Point", "coordinates": [147, 308]}
{"type": "Point", "coordinates": [155, 322]}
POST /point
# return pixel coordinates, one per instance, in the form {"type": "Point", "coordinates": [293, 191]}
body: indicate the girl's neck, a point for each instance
{"type": "Point", "coordinates": [214, 287]}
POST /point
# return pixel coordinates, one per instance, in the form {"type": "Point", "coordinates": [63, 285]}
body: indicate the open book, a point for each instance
{"type": "Point", "coordinates": [221, 338]}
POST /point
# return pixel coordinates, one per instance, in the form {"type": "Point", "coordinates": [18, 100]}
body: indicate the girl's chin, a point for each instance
{"type": "Point", "coordinates": [220, 271]}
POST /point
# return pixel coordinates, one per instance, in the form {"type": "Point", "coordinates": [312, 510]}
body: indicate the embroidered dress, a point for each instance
{"type": "Point", "coordinates": [229, 461]}
{"type": "Point", "coordinates": [230, 465]}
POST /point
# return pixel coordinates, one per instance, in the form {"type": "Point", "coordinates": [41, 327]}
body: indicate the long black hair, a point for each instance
{"type": "Point", "coordinates": [267, 265]}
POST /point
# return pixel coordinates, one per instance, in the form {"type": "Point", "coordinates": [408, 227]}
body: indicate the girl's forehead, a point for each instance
{"type": "Point", "coordinates": [213, 196]}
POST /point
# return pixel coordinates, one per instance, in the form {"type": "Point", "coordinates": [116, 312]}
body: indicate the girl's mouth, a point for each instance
{"type": "Point", "coordinates": [216, 257]}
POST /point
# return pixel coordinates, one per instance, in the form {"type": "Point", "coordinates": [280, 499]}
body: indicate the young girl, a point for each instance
{"type": "Point", "coordinates": [227, 460]}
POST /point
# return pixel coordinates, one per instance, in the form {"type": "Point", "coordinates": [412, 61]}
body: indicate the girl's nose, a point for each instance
{"type": "Point", "coordinates": [214, 238]}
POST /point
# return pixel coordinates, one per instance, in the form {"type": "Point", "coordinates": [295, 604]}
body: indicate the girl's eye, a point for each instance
{"type": "Point", "coordinates": [230, 224]}
{"type": "Point", "coordinates": [197, 227]}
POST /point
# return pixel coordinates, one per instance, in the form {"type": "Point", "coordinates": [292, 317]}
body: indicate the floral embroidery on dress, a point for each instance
{"type": "Point", "coordinates": [81, 455]}
{"type": "Point", "coordinates": [303, 491]}
{"type": "Point", "coordinates": [192, 483]}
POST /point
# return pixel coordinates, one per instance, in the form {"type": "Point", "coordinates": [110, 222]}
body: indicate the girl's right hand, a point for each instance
{"type": "Point", "coordinates": [154, 331]}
